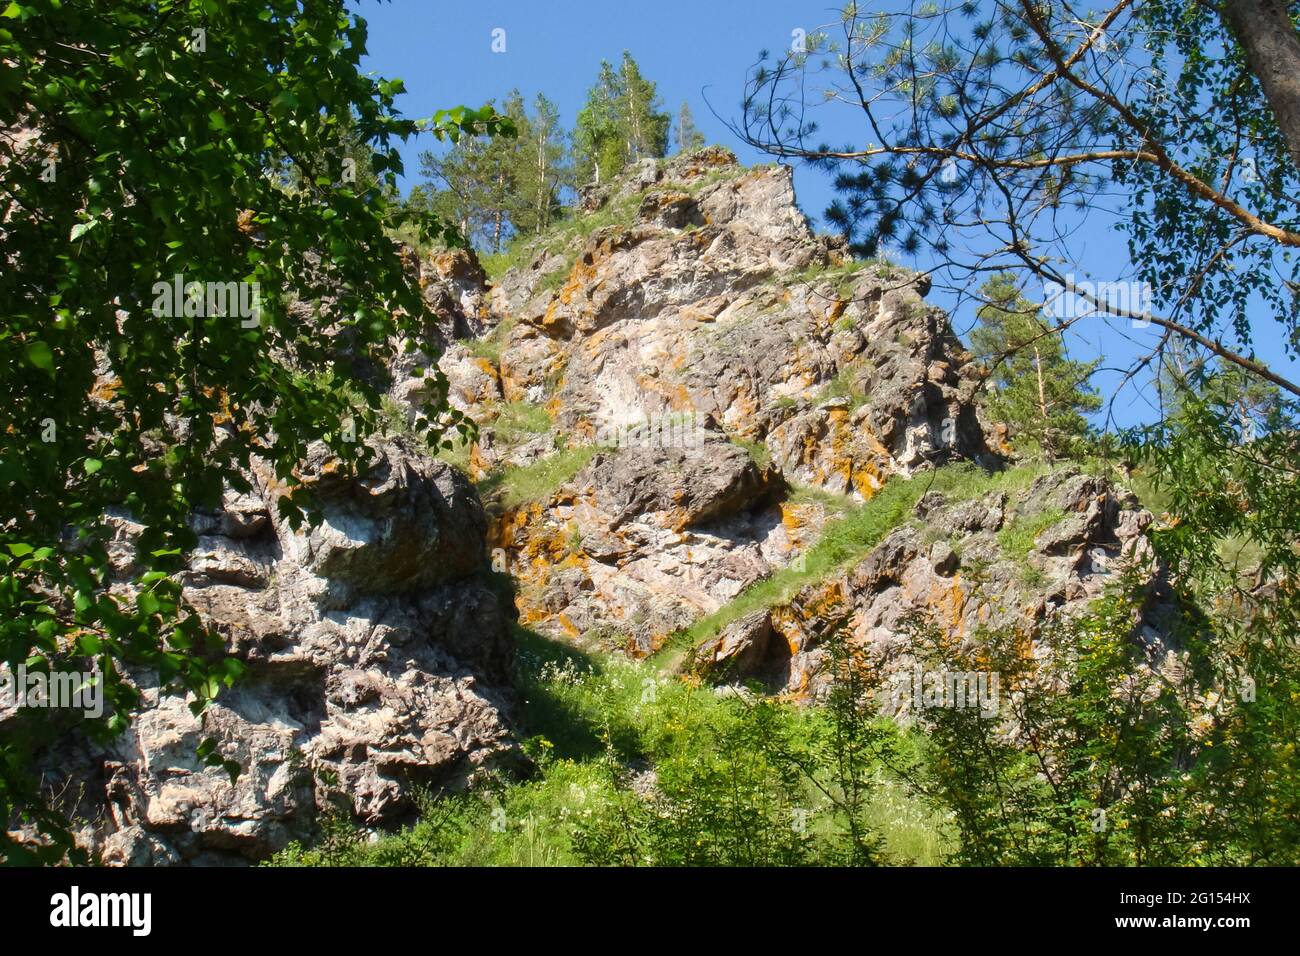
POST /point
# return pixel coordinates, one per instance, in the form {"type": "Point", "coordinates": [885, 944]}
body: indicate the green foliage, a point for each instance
{"type": "Point", "coordinates": [1098, 759]}
{"type": "Point", "coordinates": [633, 767]}
{"type": "Point", "coordinates": [1229, 477]}
{"type": "Point", "coordinates": [758, 451]}
{"type": "Point", "coordinates": [162, 135]}
{"type": "Point", "coordinates": [1038, 392]}
{"type": "Point", "coordinates": [621, 122]}
{"type": "Point", "coordinates": [1224, 462]}
{"type": "Point", "coordinates": [543, 170]}
{"type": "Point", "coordinates": [1018, 535]}
{"type": "Point", "coordinates": [518, 420]}
{"type": "Point", "coordinates": [1059, 788]}
{"type": "Point", "coordinates": [494, 188]}
{"type": "Point", "coordinates": [1109, 756]}
{"type": "Point", "coordinates": [1205, 98]}
{"type": "Point", "coordinates": [1206, 203]}
{"type": "Point", "coordinates": [485, 348]}
{"type": "Point", "coordinates": [842, 386]}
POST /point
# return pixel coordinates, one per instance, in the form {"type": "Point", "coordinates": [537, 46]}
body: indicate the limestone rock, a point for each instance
{"type": "Point", "coordinates": [378, 660]}
{"type": "Point", "coordinates": [691, 486]}
{"type": "Point", "coordinates": [872, 602]}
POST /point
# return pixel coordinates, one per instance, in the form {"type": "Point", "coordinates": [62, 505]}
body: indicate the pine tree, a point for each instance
{"type": "Point", "coordinates": [688, 135]}
{"type": "Point", "coordinates": [466, 185]}
{"type": "Point", "coordinates": [495, 189]}
{"type": "Point", "coordinates": [1038, 392]}
{"type": "Point", "coordinates": [596, 138]}
{"type": "Point", "coordinates": [1254, 405]}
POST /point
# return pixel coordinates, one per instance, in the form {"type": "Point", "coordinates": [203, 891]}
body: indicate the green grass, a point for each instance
{"type": "Point", "coordinates": [701, 183]}
{"type": "Point", "coordinates": [841, 542]}
{"type": "Point", "coordinates": [845, 541]}
{"type": "Point", "coordinates": [1017, 537]}
{"type": "Point", "coordinates": [571, 702]}
{"type": "Point", "coordinates": [841, 276]}
{"type": "Point", "coordinates": [486, 348]}
{"type": "Point", "coordinates": [554, 279]}
{"type": "Point", "coordinates": [570, 234]}
{"type": "Point", "coordinates": [578, 711]}
{"type": "Point", "coordinates": [566, 236]}
{"type": "Point", "coordinates": [512, 487]}
{"type": "Point", "coordinates": [833, 502]}
{"type": "Point", "coordinates": [517, 422]}
{"type": "Point", "coordinates": [575, 225]}
{"type": "Point", "coordinates": [515, 254]}
{"type": "Point", "coordinates": [841, 386]}
{"type": "Point", "coordinates": [910, 829]}
{"type": "Point", "coordinates": [758, 451]}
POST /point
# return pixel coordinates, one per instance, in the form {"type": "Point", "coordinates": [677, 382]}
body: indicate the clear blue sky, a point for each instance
{"type": "Point", "coordinates": [698, 53]}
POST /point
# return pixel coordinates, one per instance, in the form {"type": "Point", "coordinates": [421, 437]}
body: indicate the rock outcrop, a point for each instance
{"type": "Point", "coordinates": [999, 560]}
{"type": "Point", "coordinates": [378, 659]}
{"type": "Point", "coordinates": [705, 316]}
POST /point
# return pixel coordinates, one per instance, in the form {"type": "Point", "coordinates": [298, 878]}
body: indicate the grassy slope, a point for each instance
{"type": "Point", "coordinates": [572, 704]}
{"type": "Point", "coordinates": [845, 541]}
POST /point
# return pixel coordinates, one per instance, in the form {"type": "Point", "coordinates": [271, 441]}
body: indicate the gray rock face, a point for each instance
{"type": "Point", "coordinates": [691, 485]}
{"type": "Point", "coordinates": [406, 526]}
{"type": "Point", "coordinates": [915, 570]}
{"type": "Point", "coordinates": [706, 299]}
{"type": "Point", "coordinates": [378, 659]}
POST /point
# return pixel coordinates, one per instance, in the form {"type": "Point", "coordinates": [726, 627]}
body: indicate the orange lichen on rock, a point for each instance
{"type": "Point", "coordinates": [949, 603]}
{"type": "Point", "coordinates": [105, 389]}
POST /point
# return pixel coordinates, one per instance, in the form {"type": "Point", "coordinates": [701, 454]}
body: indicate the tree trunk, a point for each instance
{"type": "Point", "coordinates": [543, 194]}
{"type": "Point", "coordinates": [499, 216]}
{"type": "Point", "coordinates": [1273, 53]}
{"type": "Point", "coordinates": [1042, 401]}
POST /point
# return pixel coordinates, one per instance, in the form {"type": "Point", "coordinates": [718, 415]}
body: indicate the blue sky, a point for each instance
{"type": "Point", "coordinates": [698, 53]}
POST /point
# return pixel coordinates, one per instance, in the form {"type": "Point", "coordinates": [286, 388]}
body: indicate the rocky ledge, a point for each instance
{"type": "Point", "coordinates": [378, 661]}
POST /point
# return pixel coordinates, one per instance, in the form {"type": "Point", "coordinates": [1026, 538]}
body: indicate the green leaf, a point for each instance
{"type": "Point", "coordinates": [39, 354]}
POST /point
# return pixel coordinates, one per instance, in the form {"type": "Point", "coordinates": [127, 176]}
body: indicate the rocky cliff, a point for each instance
{"type": "Point", "coordinates": [684, 397]}
{"type": "Point", "coordinates": [719, 387]}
